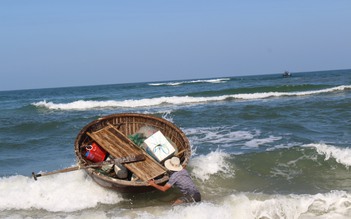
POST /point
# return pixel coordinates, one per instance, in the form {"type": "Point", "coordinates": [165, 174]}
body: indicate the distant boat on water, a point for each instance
{"type": "Point", "coordinates": [286, 74]}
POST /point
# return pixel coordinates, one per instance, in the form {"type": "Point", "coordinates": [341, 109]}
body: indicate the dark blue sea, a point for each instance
{"type": "Point", "coordinates": [263, 146]}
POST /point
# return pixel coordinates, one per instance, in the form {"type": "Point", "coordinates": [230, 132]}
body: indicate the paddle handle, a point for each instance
{"type": "Point", "coordinates": [69, 169]}
{"type": "Point", "coordinates": [121, 160]}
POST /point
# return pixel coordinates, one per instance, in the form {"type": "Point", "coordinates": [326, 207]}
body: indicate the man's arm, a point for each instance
{"type": "Point", "coordinates": [161, 188]}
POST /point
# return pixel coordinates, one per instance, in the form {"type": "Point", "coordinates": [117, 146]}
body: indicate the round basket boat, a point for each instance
{"type": "Point", "coordinates": [124, 126]}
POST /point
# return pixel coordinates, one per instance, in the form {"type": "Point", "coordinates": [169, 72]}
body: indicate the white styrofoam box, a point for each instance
{"type": "Point", "coordinates": [159, 147]}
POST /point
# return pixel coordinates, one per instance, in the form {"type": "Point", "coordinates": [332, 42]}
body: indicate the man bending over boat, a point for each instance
{"type": "Point", "coordinates": [182, 180]}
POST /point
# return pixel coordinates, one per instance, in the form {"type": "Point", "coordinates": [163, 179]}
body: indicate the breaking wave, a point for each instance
{"type": "Point", "coordinates": [175, 100]}
{"type": "Point", "coordinates": [341, 155]}
{"type": "Point", "coordinates": [212, 163]}
{"type": "Point", "coordinates": [73, 195]}
{"type": "Point", "coordinates": [62, 192]}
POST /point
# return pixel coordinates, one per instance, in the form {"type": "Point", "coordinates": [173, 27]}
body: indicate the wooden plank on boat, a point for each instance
{"type": "Point", "coordinates": [118, 145]}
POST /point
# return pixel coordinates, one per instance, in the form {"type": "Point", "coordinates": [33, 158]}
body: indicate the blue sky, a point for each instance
{"type": "Point", "coordinates": [82, 42]}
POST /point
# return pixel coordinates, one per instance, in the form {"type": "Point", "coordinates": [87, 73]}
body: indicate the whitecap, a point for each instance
{"type": "Point", "coordinates": [341, 155]}
{"type": "Point", "coordinates": [204, 166]}
{"type": "Point", "coordinates": [177, 83]}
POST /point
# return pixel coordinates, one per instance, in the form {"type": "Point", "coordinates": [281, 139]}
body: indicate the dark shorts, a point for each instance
{"type": "Point", "coordinates": [191, 198]}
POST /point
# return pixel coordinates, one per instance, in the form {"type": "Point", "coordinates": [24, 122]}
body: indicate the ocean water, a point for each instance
{"type": "Point", "coordinates": [262, 147]}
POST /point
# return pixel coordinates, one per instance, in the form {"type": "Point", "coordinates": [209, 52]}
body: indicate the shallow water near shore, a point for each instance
{"type": "Point", "coordinates": [262, 147]}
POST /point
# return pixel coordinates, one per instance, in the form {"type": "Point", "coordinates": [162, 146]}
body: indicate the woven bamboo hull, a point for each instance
{"type": "Point", "coordinates": [128, 124]}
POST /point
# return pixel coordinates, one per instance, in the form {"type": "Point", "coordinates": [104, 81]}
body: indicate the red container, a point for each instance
{"type": "Point", "coordinates": [95, 153]}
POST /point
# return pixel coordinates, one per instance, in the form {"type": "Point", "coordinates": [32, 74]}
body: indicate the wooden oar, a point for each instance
{"type": "Point", "coordinates": [121, 160]}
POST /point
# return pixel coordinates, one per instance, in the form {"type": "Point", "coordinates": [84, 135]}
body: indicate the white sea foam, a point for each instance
{"type": "Point", "coordinates": [167, 115]}
{"type": "Point", "coordinates": [173, 100]}
{"type": "Point", "coordinates": [223, 136]}
{"type": "Point", "coordinates": [258, 142]}
{"type": "Point", "coordinates": [62, 192]}
{"type": "Point", "coordinates": [341, 155]}
{"type": "Point", "coordinates": [219, 134]}
{"type": "Point", "coordinates": [335, 204]}
{"type": "Point", "coordinates": [227, 136]}
{"type": "Point", "coordinates": [177, 83]}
